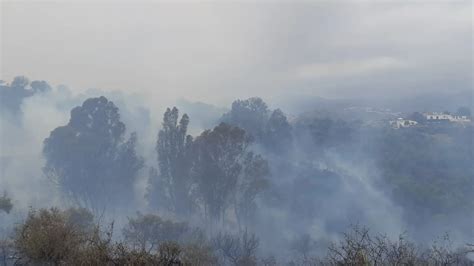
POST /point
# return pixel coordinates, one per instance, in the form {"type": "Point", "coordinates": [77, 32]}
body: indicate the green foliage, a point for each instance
{"type": "Point", "coordinates": [55, 237]}
{"type": "Point", "coordinates": [48, 237]}
{"type": "Point", "coordinates": [429, 172]}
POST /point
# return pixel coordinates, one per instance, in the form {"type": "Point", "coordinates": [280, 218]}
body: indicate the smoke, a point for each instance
{"type": "Point", "coordinates": [315, 190]}
{"type": "Point", "coordinates": [217, 52]}
{"type": "Point", "coordinates": [321, 196]}
{"type": "Point", "coordinates": [341, 58]}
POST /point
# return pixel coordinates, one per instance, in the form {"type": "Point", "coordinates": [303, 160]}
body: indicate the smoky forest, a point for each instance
{"type": "Point", "coordinates": [273, 133]}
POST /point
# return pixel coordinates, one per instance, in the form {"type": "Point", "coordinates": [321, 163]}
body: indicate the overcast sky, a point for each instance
{"type": "Point", "coordinates": [216, 52]}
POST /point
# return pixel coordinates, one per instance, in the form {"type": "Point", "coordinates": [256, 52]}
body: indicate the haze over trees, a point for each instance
{"type": "Point", "coordinates": [12, 95]}
{"type": "Point", "coordinates": [230, 133]}
{"type": "Point", "coordinates": [90, 159]}
{"type": "Point", "coordinates": [269, 128]}
{"type": "Point", "coordinates": [229, 175]}
{"type": "Point", "coordinates": [217, 196]}
{"type": "Point", "coordinates": [214, 173]}
{"type": "Point", "coordinates": [51, 236]}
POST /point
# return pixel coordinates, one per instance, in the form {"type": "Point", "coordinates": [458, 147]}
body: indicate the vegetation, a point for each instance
{"type": "Point", "coordinates": [220, 197]}
{"type": "Point", "coordinates": [12, 95]}
{"type": "Point", "coordinates": [429, 171]}
{"type": "Point", "coordinates": [6, 204]}
{"type": "Point", "coordinates": [89, 159]}
{"type": "Point", "coordinates": [172, 186]}
{"type": "Point", "coordinates": [51, 236]}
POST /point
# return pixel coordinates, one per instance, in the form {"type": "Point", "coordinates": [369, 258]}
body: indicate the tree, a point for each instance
{"type": "Point", "coordinates": [20, 82]}
{"type": "Point", "coordinates": [251, 115]}
{"type": "Point", "coordinates": [48, 236]}
{"type": "Point", "coordinates": [12, 96]}
{"type": "Point", "coordinates": [423, 169]}
{"type": "Point", "coordinates": [81, 218]}
{"type": "Point", "coordinates": [359, 247]}
{"type": "Point", "coordinates": [251, 183]}
{"type": "Point", "coordinates": [237, 249]}
{"type": "Point", "coordinates": [56, 237]}
{"type": "Point", "coordinates": [226, 172]}
{"type": "Point", "coordinates": [7, 251]}
{"type": "Point", "coordinates": [172, 184]}
{"type": "Point", "coordinates": [303, 246]}
{"type": "Point", "coordinates": [40, 86]}
{"type": "Point", "coordinates": [89, 159]}
{"type": "Point", "coordinates": [278, 133]}
{"type": "Point", "coordinates": [169, 254]}
{"type": "Point", "coordinates": [270, 129]}
{"type": "Point", "coordinates": [217, 167]}
{"type": "Point", "coordinates": [199, 254]}
{"type": "Point", "coordinates": [147, 232]}
{"type": "Point", "coordinates": [6, 204]}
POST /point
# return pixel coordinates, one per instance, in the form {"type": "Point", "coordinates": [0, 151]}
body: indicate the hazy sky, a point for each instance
{"type": "Point", "coordinates": [220, 51]}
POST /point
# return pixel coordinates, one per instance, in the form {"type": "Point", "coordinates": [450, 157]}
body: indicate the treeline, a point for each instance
{"type": "Point", "coordinates": [12, 95]}
{"type": "Point", "coordinates": [96, 166]}
{"type": "Point", "coordinates": [255, 171]}
{"type": "Point", "coordinates": [71, 237]}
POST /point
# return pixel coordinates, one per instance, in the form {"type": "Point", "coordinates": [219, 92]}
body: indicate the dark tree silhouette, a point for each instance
{"type": "Point", "coordinates": [89, 159]}
{"type": "Point", "coordinates": [6, 204]}
{"type": "Point", "coordinates": [252, 181]}
{"type": "Point", "coordinates": [238, 249]}
{"type": "Point", "coordinates": [278, 133]}
{"type": "Point", "coordinates": [40, 86]}
{"type": "Point", "coordinates": [217, 167]}
{"type": "Point", "coordinates": [251, 115]}
{"type": "Point", "coordinates": [12, 96]}
{"type": "Point", "coordinates": [172, 186]}
{"type": "Point", "coordinates": [226, 171]}
{"type": "Point", "coordinates": [270, 129]}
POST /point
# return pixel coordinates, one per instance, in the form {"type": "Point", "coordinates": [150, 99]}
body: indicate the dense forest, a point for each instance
{"type": "Point", "coordinates": [245, 185]}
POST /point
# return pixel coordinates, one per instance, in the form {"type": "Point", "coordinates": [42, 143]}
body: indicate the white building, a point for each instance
{"type": "Point", "coordinates": [433, 117]}
{"type": "Point", "coordinates": [400, 122]}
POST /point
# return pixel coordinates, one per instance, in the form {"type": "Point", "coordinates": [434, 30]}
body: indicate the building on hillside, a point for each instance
{"type": "Point", "coordinates": [440, 117]}
{"type": "Point", "coordinates": [401, 123]}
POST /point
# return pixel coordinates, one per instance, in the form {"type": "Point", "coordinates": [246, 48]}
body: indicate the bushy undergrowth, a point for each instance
{"type": "Point", "coordinates": [71, 237]}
